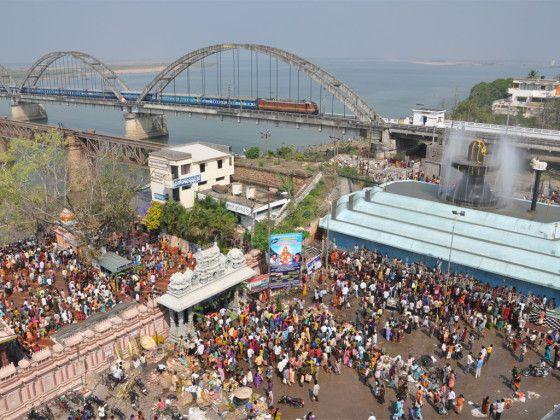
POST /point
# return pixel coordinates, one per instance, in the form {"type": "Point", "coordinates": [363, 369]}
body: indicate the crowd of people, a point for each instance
{"type": "Point", "coordinates": [44, 287]}
{"type": "Point", "coordinates": [456, 309]}
{"type": "Point", "coordinates": [298, 343]}
{"type": "Point", "coordinates": [386, 170]}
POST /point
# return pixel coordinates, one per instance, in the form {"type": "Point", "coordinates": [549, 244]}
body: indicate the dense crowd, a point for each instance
{"type": "Point", "coordinates": [44, 287]}
{"type": "Point", "coordinates": [456, 309]}
{"type": "Point", "coordinates": [298, 342]}
{"type": "Point", "coordinates": [386, 170]}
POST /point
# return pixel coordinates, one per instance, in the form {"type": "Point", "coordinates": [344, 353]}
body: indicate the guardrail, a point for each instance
{"type": "Point", "coordinates": [501, 128]}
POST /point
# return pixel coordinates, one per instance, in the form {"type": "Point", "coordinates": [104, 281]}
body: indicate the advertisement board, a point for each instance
{"type": "Point", "coordinates": [285, 260]}
{"type": "Point", "coordinates": [314, 264]}
{"type": "Point", "coordinates": [258, 283]}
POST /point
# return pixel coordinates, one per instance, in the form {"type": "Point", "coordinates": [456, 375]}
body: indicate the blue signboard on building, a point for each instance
{"type": "Point", "coordinates": [161, 197]}
{"type": "Point", "coordinates": [189, 180]}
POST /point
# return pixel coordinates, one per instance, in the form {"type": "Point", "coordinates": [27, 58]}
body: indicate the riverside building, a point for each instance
{"type": "Point", "coordinates": [527, 95]}
{"type": "Point", "coordinates": [179, 172]}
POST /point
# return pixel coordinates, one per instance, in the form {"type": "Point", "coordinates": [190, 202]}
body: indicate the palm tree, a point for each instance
{"type": "Point", "coordinates": [533, 74]}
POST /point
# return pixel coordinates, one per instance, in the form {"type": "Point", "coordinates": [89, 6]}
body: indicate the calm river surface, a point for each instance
{"type": "Point", "coordinates": [392, 88]}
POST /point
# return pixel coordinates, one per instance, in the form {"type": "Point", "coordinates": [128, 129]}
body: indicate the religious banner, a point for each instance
{"type": "Point", "coordinates": [285, 260]}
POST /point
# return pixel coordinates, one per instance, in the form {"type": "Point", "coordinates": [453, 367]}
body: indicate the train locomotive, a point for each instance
{"type": "Point", "coordinates": [272, 105]}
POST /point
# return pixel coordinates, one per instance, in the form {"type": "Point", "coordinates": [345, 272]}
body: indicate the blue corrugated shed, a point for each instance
{"type": "Point", "coordinates": [408, 216]}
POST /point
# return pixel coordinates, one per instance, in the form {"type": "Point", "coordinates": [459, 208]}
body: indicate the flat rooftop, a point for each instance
{"type": "Point", "coordinates": [198, 151]}
{"type": "Point", "coordinates": [515, 208]}
{"type": "Point", "coordinates": [259, 200]}
{"type": "Point", "coordinates": [91, 321]}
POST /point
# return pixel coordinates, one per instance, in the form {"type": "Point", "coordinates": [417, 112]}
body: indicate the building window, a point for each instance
{"type": "Point", "coordinates": [220, 164]}
{"type": "Point", "coordinates": [174, 172]}
{"type": "Point", "coordinates": [202, 183]}
{"type": "Point", "coordinates": [176, 194]}
{"type": "Point", "coordinates": [203, 167]}
{"type": "Point", "coordinates": [185, 169]}
{"type": "Point", "coordinates": [186, 187]}
{"type": "Point", "coordinates": [220, 178]}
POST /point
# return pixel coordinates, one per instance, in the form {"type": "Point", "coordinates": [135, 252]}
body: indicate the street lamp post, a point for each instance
{"type": "Point", "coordinates": [328, 231]}
{"type": "Point", "coordinates": [265, 135]}
{"type": "Point", "coordinates": [455, 213]}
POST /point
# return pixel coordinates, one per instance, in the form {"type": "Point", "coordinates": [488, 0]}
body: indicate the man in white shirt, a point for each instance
{"type": "Point", "coordinates": [451, 400]}
{"type": "Point", "coordinates": [500, 405]}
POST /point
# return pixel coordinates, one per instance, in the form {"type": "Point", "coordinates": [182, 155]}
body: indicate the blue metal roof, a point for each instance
{"type": "Point", "coordinates": [514, 247]}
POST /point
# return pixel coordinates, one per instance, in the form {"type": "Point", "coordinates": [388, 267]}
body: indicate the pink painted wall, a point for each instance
{"type": "Point", "coordinates": [53, 371]}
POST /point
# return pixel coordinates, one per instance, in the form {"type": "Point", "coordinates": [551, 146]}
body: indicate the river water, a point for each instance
{"type": "Point", "coordinates": [392, 88]}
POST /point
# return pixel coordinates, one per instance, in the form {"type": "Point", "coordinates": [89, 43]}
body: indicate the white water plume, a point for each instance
{"type": "Point", "coordinates": [502, 160]}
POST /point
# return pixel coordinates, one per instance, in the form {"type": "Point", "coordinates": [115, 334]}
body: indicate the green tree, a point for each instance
{"type": "Point", "coordinates": [152, 220]}
{"type": "Point", "coordinates": [287, 184]}
{"type": "Point", "coordinates": [108, 203]}
{"type": "Point", "coordinates": [478, 106]}
{"type": "Point", "coordinates": [33, 183]}
{"type": "Point", "coordinates": [252, 152]}
{"type": "Point", "coordinates": [550, 116]}
{"type": "Point", "coordinates": [533, 74]}
{"type": "Point", "coordinates": [172, 218]}
{"type": "Point", "coordinates": [34, 189]}
{"type": "Point", "coordinates": [207, 221]}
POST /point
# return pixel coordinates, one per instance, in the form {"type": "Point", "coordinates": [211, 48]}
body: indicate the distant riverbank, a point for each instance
{"type": "Point", "coordinates": [139, 69]}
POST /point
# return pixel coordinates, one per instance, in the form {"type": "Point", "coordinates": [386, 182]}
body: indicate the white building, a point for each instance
{"type": "Point", "coordinates": [528, 96]}
{"type": "Point", "coordinates": [428, 117]}
{"type": "Point", "coordinates": [179, 172]}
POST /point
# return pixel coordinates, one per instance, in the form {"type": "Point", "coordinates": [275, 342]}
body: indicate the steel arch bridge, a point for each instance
{"type": "Point", "coordinates": [6, 81]}
{"type": "Point", "coordinates": [74, 77]}
{"type": "Point", "coordinates": [360, 108]}
{"type": "Point", "coordinates": [111, 80]}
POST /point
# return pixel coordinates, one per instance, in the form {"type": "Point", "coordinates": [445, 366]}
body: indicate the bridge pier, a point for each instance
{"type": "Point", "coordinates": [138, 126]}
{"type": "Point", "coordinates": [76, 160]}
{"type": "Point", "coordinates": [381, 142]}
{"type": "Point", "coordinates": [25, 112]}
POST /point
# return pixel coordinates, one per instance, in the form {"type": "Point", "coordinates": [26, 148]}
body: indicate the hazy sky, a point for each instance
{"type": "Point", "coordinates": [157, 30]}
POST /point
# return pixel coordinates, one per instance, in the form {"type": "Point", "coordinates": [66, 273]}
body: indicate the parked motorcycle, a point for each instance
{"type": "Point", "coordinates": [538, 371]}
{"type": "Point", "coordinates": [292, 401]}
{"type": "Point", "coordinates": [133, 398]}
{"type": "Point", "coordinates": [75, 398]}
{"type": "Point", "coordinates": [141, 386]}
{"type": "Point", "coordinates": [41, 413]}
{"type": "Point", "coordinates": [118, 413]}
{"type": "Point", "coordinates": [94, 399]}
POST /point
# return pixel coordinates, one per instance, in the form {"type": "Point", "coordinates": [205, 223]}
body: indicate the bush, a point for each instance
{"type": "Point", "coordinates": [478, 106]}
{"type": "Point", "coordinates": [301, 216]}
{"type": "Point", "coordinates": [207, 221]}
{"type": "Point", "coordinates": [252, 152]}
{"type": "Point", "coordinates": [152, 220]}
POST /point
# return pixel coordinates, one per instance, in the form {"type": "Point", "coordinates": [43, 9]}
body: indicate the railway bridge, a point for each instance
{"type": "Point", "coordinates": [196, 84]}
{"type": "Point", "coordinates": [236, 82]}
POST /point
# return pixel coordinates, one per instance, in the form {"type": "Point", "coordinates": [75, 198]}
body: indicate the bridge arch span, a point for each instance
{"type": "Point", "coordinates": [6, 80]}
{"type": "Point", "coordinates": [360, 108]}
{"type": "Point", "coordinates": [110, 79]}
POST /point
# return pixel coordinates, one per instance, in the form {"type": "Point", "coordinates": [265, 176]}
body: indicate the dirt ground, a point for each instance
{"type": "Point", "coordinates": [345, 397]}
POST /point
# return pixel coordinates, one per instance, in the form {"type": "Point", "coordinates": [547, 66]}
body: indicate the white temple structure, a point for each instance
{"type": "Point", "coordinates": [214, 273]}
